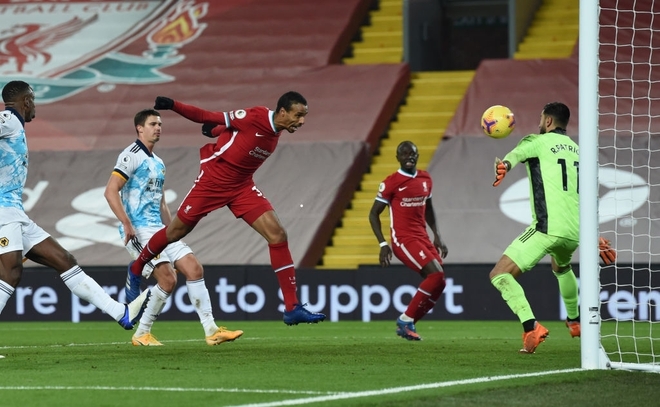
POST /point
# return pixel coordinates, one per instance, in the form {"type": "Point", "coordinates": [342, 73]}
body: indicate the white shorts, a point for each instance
{"type": "Point", "coordinates": [18, 232]}
{"type": "Point", "coordinates": [173, 252]}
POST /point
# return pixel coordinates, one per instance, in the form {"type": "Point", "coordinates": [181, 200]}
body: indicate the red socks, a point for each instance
{"type": "Point", "coordinates": [282, 263]}
{"type": "Point", "coordinates": [427, 294]}
{"type": "Point", "coordinates": [156, 244]}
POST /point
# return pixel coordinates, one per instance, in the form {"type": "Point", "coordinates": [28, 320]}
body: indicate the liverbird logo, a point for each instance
{"type": "Point", "coordinates": [65, 47]}
{"type": "Point", "coordinates": [27, 42]}
{"type": "Point", "coordinates": [180, 27]}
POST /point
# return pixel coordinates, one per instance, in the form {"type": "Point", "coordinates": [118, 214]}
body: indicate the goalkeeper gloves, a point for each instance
{"type": "Point", "coordinates": [163, 103]}
{"type": "Point", "coordinates": [501, 168]}
{"type": "Point", "coordinates": [607, 253]}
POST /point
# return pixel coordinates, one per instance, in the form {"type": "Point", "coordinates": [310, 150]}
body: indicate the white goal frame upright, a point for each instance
{"type": "Point", "coordinates": [593, 354]}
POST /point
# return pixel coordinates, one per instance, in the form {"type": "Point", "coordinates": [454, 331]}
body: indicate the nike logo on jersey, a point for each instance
{"type": "Point", "coordinates": [259, 135]}
{"type": "Point", "coordinates": [402, 188]}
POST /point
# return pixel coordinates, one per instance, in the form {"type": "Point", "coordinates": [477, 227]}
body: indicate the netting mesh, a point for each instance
{"type": "Point", "coordinates": [629, 177]}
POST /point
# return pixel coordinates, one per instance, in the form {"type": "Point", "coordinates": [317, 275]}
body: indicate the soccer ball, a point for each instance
{"type": "Point", "coordinates": [498, 121]}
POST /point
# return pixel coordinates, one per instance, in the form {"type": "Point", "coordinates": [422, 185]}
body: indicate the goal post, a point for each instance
{"type": "Point", "coordinates": [591, 354]}
{"type": "Point", "coordinates": [619, 140]}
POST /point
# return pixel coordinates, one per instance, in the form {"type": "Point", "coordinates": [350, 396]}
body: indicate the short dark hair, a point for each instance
{"type": "Point", "coordinates": [141, 116]}
{"type": "Point", "coordinates": [289, 99]}
{"type": "Point", "coordinates": [13, 90]}
{"type": "Point", "coordinates": [559, 112]}
{"type": "Point", "coordinates": [405, 143]}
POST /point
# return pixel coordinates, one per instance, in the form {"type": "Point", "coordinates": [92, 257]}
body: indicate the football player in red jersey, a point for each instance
{"type": "Point", "coordinates": [408, 194]}
{"type": "Point", "coordinates": [245, 139]}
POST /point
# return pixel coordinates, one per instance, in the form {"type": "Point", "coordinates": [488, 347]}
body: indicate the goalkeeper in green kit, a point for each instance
{"type": "Point", "coordinates": [552, 160]}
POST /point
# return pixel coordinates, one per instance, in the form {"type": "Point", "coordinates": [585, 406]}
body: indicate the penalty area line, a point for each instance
{"type": "Point", "coordinates": [393, 390]}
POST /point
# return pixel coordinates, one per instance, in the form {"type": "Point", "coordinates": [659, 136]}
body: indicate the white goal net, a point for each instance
{"type": "Point", "coordinates": [626, 332]}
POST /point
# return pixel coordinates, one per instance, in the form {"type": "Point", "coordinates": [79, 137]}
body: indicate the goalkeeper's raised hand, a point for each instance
{"type": "Point", "coordinates": [163, 103]}
{"type": "Point", "coordinates": [607, 253]}
{"type": "Point", "coordinates": [501, 168]}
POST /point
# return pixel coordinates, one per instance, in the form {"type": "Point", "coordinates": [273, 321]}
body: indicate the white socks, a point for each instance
{"type": "Point", "coordinates": [199, 297]}
{"type": "Point", "coordinates": [86, 288]}
{"type": "Point", "coordinates": [6, 291]}
{"type": "Point", "coordinates": [154, 307]}
{"type": "Point", "coordinates": [406, 318]}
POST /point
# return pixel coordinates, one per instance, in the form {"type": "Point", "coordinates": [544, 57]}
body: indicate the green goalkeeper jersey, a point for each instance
{"type": "Point", "coordinates": [552, 161]}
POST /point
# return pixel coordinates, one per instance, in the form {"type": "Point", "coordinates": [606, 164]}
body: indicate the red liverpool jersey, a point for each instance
{"type": "Point", "coordinates": [246, 141]}
{"type": "Point", "coordinates": [406, 196]}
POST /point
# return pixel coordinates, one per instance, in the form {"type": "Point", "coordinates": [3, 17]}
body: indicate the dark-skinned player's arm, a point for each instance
{"type": "Point", "coordinates": [211, 120]}
{"type": "Point", "coordinates": [190, 112]}
{"type": "Point", "coordinates": [430, 220]}
{"type": "Point", "coordinates": [212, 130]}
{"type": "Point", "coordinates": [385, 255]}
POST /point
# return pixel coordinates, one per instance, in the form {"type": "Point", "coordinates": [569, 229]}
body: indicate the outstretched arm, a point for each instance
{"type": "Point", "coordinates": [190, 112]}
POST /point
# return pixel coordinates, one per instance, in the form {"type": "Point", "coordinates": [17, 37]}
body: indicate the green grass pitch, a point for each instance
{"type": "Point", "coordinates": [465, 363]}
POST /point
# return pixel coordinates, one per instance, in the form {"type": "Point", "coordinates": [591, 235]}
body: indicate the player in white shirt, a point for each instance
{"type": "Point", "coordinates": [20, 236]}
{"type": "Point", "coordinates": [135, 193]}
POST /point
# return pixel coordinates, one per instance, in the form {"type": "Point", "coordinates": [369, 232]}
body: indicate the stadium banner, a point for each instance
{"type": "Point", "coordinates": [369, 293]}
